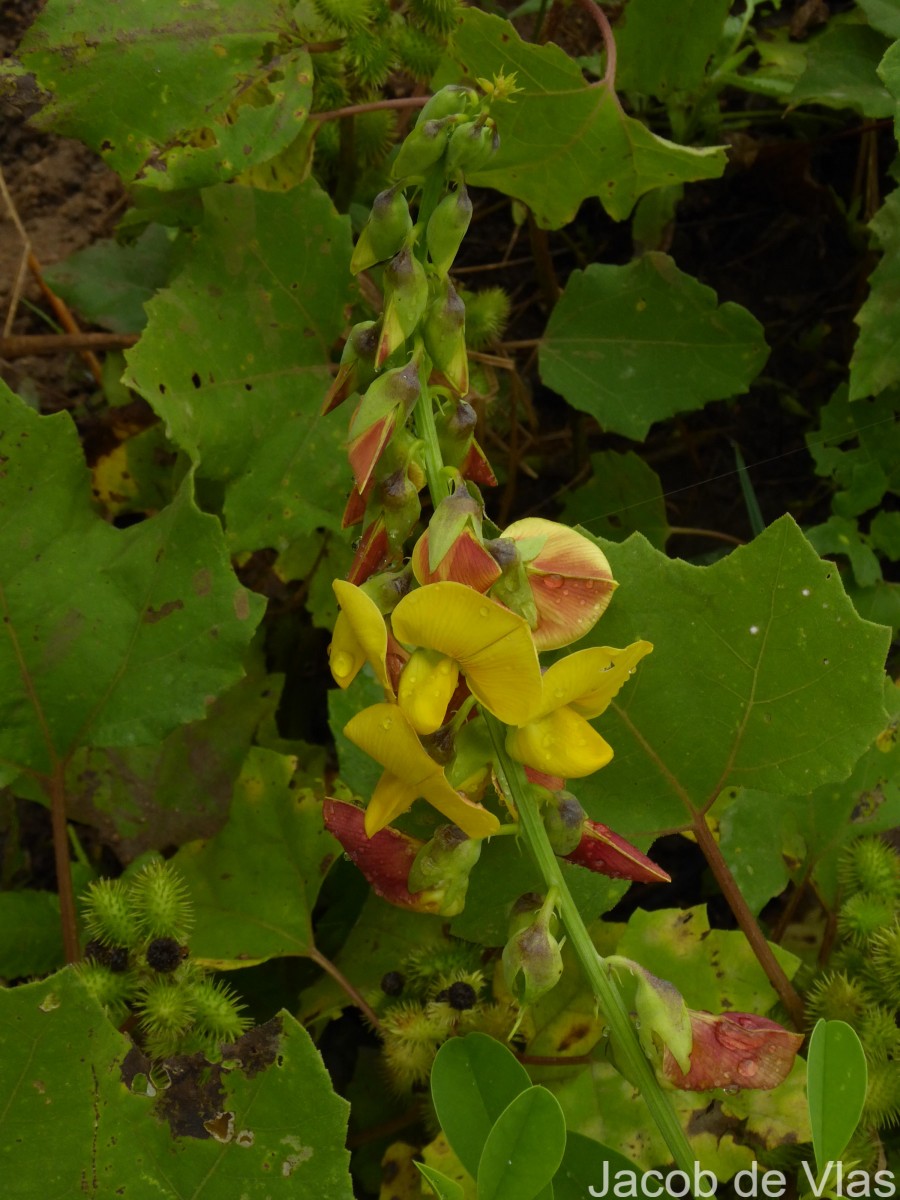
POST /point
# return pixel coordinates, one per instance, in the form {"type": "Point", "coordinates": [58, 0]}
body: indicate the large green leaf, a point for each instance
{"type": "Point", "coordinates": [235, 359]}
{"type": "Point", "coordinates": [664, 48]}
{"type": "Point", "coordinates": [883, 15]}
{"type": "Point", "coordinates": [875, 364]}
{"type": "Point", "coordinates": [111, 637]}
{"type": "Point", "coordinates": [634, 344]}
{"type": "Point", "coordinates": [762, 676]}
{"type": "Point", "coordinates": [265, 1123]}
{"type": "Point", "coordinates": [840, 71]}
{"type": "Point", "coordinates": [562, 140]}
{"type": "Point", "coordinates": [255, 883]}
{"type": "Point", "coordinates": [714, 969]}
{"type": "Point", "coordinates": [179, 97]}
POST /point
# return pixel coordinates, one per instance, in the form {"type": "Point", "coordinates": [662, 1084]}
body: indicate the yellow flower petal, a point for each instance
{"type": "Point", "coordinates": [426, 687]}
{"type": "Point", "coordinates": [589, 680]}
{"type": "Point", "coordinates": [561, 743]}
{"type": "Point", "coordinates": [492, 645]}
{"type": "Point", "coordinates": [360, 635]}
{"type": "Point", "coordinates": [391, 799]}
{"type": "Point", "coordinates": [385, 734]}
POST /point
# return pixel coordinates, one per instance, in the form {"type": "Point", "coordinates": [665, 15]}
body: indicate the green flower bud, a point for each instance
{"type": "Point", "coordinates": [443, 865]}
{"type": "Point", "coordinates": [471, 146]}
{"type": "Point", "coordinates": [450, 100]}
{"type": "Point", "coordinates": [406, 298]}
{"type": "Point", "coordinates": [532, 957]}
{"type": "Point", "coordinates": [423, 147]}
{"type": "Point", "coordinates": [401, 517]}
{"type": "Point", "coordinates": [564, 822]}
{"type": "Point", "coordinates": [444, 334]}
{"type": "Point", "coordinates": [447, 227]}
{"type": "Point", "coordinates": [397, 388]}
{"type": "Point", "coordinates": [385, 231]}
{"type": "Point", "coordinates": [357, 367]}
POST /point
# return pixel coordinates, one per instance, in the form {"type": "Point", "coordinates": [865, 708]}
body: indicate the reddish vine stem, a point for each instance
{"type": "Point", "coordinates": [786, 992]}
{"type": "Point", "coordinates": [372, 106]}
{"type": "Point", "coordinates": [27, 344]}
{"type": "Point", "coordinates": [600, 19]}
{"type": "Point", "coordinates": [344, 983]}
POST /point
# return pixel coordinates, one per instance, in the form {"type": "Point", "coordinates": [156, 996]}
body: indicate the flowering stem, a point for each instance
{"type": "Point", "coordinates": [511, 777]}
{"type": "Point", "coordinates": [427, 431]}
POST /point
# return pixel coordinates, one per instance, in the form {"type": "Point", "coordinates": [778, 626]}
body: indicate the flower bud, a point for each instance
{"type": "Point", "coordinates": [471, 146]}
{"type": "Point", "coordinates": [450, 100]}
{"type": "Point", "coordinates": [444, 333]}
{"type": "Point", "coordinates": [388, 402]}
{"type": "Point", "coordinates": [423, 147]}
{"type": "Point", "coordinates": [385, 231]}
{"type": "Point", "coordinates": [357, 368]}
{"type": "Point", "coordinates": [564, 821]}
{"type": "Point", "coordinates": [443, 865]}
{"type": "Point", "coordinates": [399, 521]}
{"type": "Point", "coordinates": [406, 298]}
{"type": "Point", "coordinates": [447, 227]}
{"type": "Point", "coordinates": [532, 957]}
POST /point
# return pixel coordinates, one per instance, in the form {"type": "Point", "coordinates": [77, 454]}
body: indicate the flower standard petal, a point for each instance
{"type": "Point", "coordinates": [570, 578]}
{"type": "Point", "coordinates": [360, 635]}
{"type": "Point", "coordinates": [492, 645]}
{"type": "Point", "coordinates": [734, 1050]}
{"type": "Point", "coordinates": [561, 743]}
{"type": "Point", "coordinates": [387, 736]}
{"type": "Point", "coordinates": [590, 679]}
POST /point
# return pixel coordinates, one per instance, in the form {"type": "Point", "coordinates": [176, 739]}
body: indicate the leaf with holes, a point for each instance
{"type": "Point", "coordinates": [265, 1119]}
{"type": "Point", "coordinates": [235, 357]}
{"type": "Point", "coordinates": [762, 675]}
{"type": "Point", "coordinates": [631, 345]}
{"type": "Point", "coordinates": [188, 97]}
{"type": "Point", "coordinates": [111, 637]}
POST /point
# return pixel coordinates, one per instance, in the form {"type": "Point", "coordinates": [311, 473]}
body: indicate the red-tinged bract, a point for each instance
{"type": "Point", "coordinates": [603, 851]}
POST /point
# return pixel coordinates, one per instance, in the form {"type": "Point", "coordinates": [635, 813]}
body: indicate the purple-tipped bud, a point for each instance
{"type": "Point", "coordinates": [443, 865]}
{"type": "Point", "coordinates": [423, 147]}
{"type": "Point", "coordinates": [447, 228]}
{"type": "Point", "coordinates": [504, 551]}
{"type": "Point", "coordinates": [564, 822]}
{"type": "Point", "coordinates": [444, 332]}
{"type": "Point", "coordinates": [385, 231]}
{"type": "Point", "coordinates": [357, 369]}
{"type": "Point", "coordinates": [532, 958]}
{"type": "Point", "coordinates": [471, 146]}
{"type": "Point", "coordinates": [406, 298]}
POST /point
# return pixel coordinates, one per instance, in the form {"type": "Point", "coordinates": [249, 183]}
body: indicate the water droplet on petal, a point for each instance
{"type": "Point", "coordinates": [483, 612]}
{"type": "Point", "coordinates": [387, 723]}
{"type": "Point", "coordinates": [341, 665]}
{"type": "Point", "coordinates": [731, 1089]}
{"type": "Point", "coordinates": [553, 581]}
{"type": "Point", "coordinates": [748, 1067]}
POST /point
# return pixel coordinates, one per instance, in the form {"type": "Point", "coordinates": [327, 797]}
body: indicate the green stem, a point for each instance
{"type": "Point", "coordinates": [635, 1066]}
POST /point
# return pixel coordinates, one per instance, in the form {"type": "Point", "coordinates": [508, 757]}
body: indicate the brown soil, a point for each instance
{"type": "Point", "coordinates": [64, 198]}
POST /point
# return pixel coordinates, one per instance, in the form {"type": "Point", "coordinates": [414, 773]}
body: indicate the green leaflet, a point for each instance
{"type": "Point", "coordinates": [562, 140]}
{"type": "Point", "coordinates": [631, 345]}
{"type": "Point", "coordinates": [112, 637]}
{"type": "Point", "coordinates": [762, 676]}
{"type": "Point", "coordinates": [235, 358]}
{"type": "Point", "coordinates": [836, 1088]}
{"type": "Point", "coordinates": [875, 364]}
{"type": "Point", "coordinates": [186, 99]}
{"type": "Point", "coordinates": [270, 1126]}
